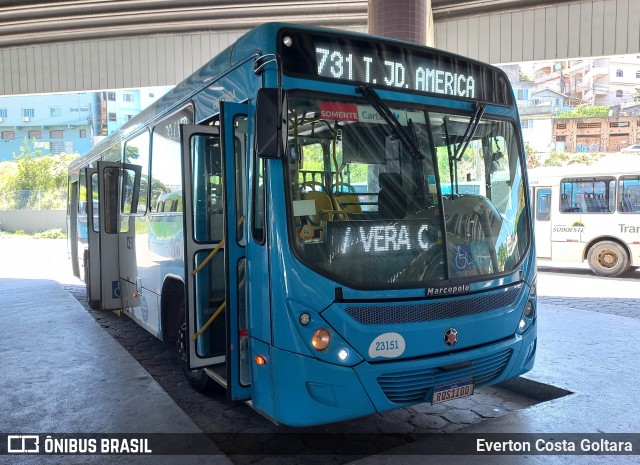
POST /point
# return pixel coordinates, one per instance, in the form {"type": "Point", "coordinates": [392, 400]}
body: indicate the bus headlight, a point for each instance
{"type": "Point", "coordinates": [528, 315]}
{"type": "Point", "coordinates": [321, 339]}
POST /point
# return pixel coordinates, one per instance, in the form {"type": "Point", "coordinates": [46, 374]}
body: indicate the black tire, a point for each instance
{"type": "Point", "coordinates": [608, 258]}
{"type": "Point", "coordinates": [197, 379]}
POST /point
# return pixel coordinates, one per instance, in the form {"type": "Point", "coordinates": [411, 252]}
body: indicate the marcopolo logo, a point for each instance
{"type": "Point", "coordinates": [447, 290]}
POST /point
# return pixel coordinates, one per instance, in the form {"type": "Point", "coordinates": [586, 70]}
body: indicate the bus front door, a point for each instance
{"type": "Point", "coordinates": [101, 262]}
{"type": "Point", "coordinates": [543, 222]}
{"type": "Point", "coordinates": [214, 252]}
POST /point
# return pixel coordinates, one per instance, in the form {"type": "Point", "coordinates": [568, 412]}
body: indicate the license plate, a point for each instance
{"type": "Point", "coordinates": [452, 391]}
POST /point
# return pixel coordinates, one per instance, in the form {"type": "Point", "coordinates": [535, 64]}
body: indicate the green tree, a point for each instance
{"type": "Point", "coordinates": [585, 112]}
{"type": "Point", "coordinates": [524, 77]}
{"type": "Point", "coordinates": [636, 94]}
{"type": "Point", "coordinates": [41, 178]}
{"type": "Point", "coordinates": [532, 156]}
{"type": "Point", "coordinates": [563, 159]}
{"type": "Point", "coordinates": [556, 158]}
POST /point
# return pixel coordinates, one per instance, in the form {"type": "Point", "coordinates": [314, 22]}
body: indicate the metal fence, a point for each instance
{"type": "Point", "coordinates": [33, 200]}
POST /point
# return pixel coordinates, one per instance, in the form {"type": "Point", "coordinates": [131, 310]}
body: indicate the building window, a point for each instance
{"type": "Point", "coordinates": [526, 123]}
{"type": "Point", "coordinates": [111, 96]}
{"type": "Point", "coordinates": [56, 134]}
{"type": "Point", "coordinates": [523, 94]}
{"type": "Point", "coordinates": [618, 93]}
{"type": "Point", "coordinates": [619, 73]}
{"type": "Point", "coordinates": [3, 112]}
{"type": "Point", "coordinates": [112, 117]}
{"type": "Point", "coordinates": [561, 126]}
{"type": "Point", "coordinates": [129, 117]}
{"type": "Point", "coordinates": [35, 134]}
{"type": "Point", "coordinates": [57, 148]}
{"type": "Point", "coordinates": [589, 125]}
{"type": "Point", "coordinates": [28, 112]}
{"type": "Point", "coordinates": [637, 74]}
{"type": "Point", "coordinates": [619, 124]}
{"type": "Point", "coordinates": [127, 97]}
{"type": "Point", "coordinates": [8, 135]}
{"type": "Point", "coordinates": [83, 133]}
{"type": "Point", "coordinates": [56, 111]}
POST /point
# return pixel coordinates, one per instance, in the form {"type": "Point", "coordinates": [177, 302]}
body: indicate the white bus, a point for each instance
{"type": "Point", "coordinates": [582, 214]}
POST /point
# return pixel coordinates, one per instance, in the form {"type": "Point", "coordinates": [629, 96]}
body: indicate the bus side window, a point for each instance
{"type": "Point", "coordinates": [136, 163]}
{"type": "Point", "coordinates": [111, 191]}
{"type": "Point", "coordinates": [95, 202]}
{"type": "Point", "coordinates": [629, 194]}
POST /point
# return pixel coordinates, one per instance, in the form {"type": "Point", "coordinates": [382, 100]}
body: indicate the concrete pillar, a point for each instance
{"type": "Point", "coordinates": [408, 20]}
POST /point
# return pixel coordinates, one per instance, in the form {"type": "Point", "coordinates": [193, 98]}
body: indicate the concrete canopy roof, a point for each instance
{"type": "Point", "coordinates": [46, 21]}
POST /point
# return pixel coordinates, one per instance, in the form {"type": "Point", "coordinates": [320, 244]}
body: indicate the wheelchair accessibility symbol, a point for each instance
{"type": "Point", "coordinates": [463, 257]}
{"type": "Point", "coordinates": [115, 289]}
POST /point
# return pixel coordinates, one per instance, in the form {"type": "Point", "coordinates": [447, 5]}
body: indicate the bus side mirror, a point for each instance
{"type": "Point", "coordinates": [271, 123]}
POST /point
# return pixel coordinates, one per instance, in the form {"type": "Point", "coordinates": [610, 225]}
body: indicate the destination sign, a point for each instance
{"type": "Point", "coordinates": [347, 64]}
{"type": "Point", "coordinates": [390, 65]}
{"type": "Point", "coordinates": [380, 238]}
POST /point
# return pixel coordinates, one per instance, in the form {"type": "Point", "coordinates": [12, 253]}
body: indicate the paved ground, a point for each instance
{"type": "Point", "coordinates": [213, 414]}
{"type": "Point", "coordinates": [576, 287]}
{"type": "Point", "coordinates": [28, 258]}
{"type": "Point", "coordinates": [575, 333]}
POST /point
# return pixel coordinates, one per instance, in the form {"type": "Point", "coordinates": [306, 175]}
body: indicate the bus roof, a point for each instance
{"type": "Point", "coordinates": [260, 40]}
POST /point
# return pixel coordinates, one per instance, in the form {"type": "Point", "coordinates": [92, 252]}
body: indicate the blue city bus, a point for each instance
{"type": "Point", "coordinates": [322, 259]}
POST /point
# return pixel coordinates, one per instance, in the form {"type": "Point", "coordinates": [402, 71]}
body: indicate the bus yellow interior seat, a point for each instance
{"type": "Point", "coordinates": [324, 207]}
{"type": "Point", "coordinates": [349, 203]}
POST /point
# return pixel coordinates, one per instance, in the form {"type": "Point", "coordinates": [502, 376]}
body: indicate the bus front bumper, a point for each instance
{"type": "Point", "coordinates": [308, 391]}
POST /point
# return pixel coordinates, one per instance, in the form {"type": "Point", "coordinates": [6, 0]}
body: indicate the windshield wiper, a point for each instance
{"type": "Point", "coordinates": [478, 111]}
{"type": "Point", "coordinates": [409, 142]}
{"type": "Point", "coordinates": [454, 158]}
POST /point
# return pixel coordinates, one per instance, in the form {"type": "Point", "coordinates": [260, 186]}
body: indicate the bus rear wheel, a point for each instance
{"type": "Point", "coordinates": [608, 258]}
{"type": "Point", "coordinates": [198, 379]}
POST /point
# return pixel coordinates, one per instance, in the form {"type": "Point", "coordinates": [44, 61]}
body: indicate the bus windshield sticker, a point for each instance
{"type": "Point", "coordinates": [389, 345]}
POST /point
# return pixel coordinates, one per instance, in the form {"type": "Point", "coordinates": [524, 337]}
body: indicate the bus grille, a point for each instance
{"type": "Point", "coordinates": [448, 308]}
{"type": "Point", "coordinates": [416, 386]}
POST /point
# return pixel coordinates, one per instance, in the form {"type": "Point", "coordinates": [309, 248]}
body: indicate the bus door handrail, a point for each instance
{"type": "Point", "coordinates": [224, 304]}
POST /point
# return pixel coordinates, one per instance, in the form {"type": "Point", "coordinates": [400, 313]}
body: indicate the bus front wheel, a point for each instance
{"type": "Point", "coordinates": [608, 258]}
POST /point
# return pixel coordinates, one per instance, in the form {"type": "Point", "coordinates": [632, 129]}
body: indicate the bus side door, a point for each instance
{"type": "Point", "coordinates": [542, 220]}
{"type": "Point", "coordinates": [103, 291]}
{"type": "Point", "coordinates": [214, 250]}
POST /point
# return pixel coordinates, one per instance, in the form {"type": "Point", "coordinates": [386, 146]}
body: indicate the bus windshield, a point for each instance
{"type": "Point", "coordinates": [367, 207]}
